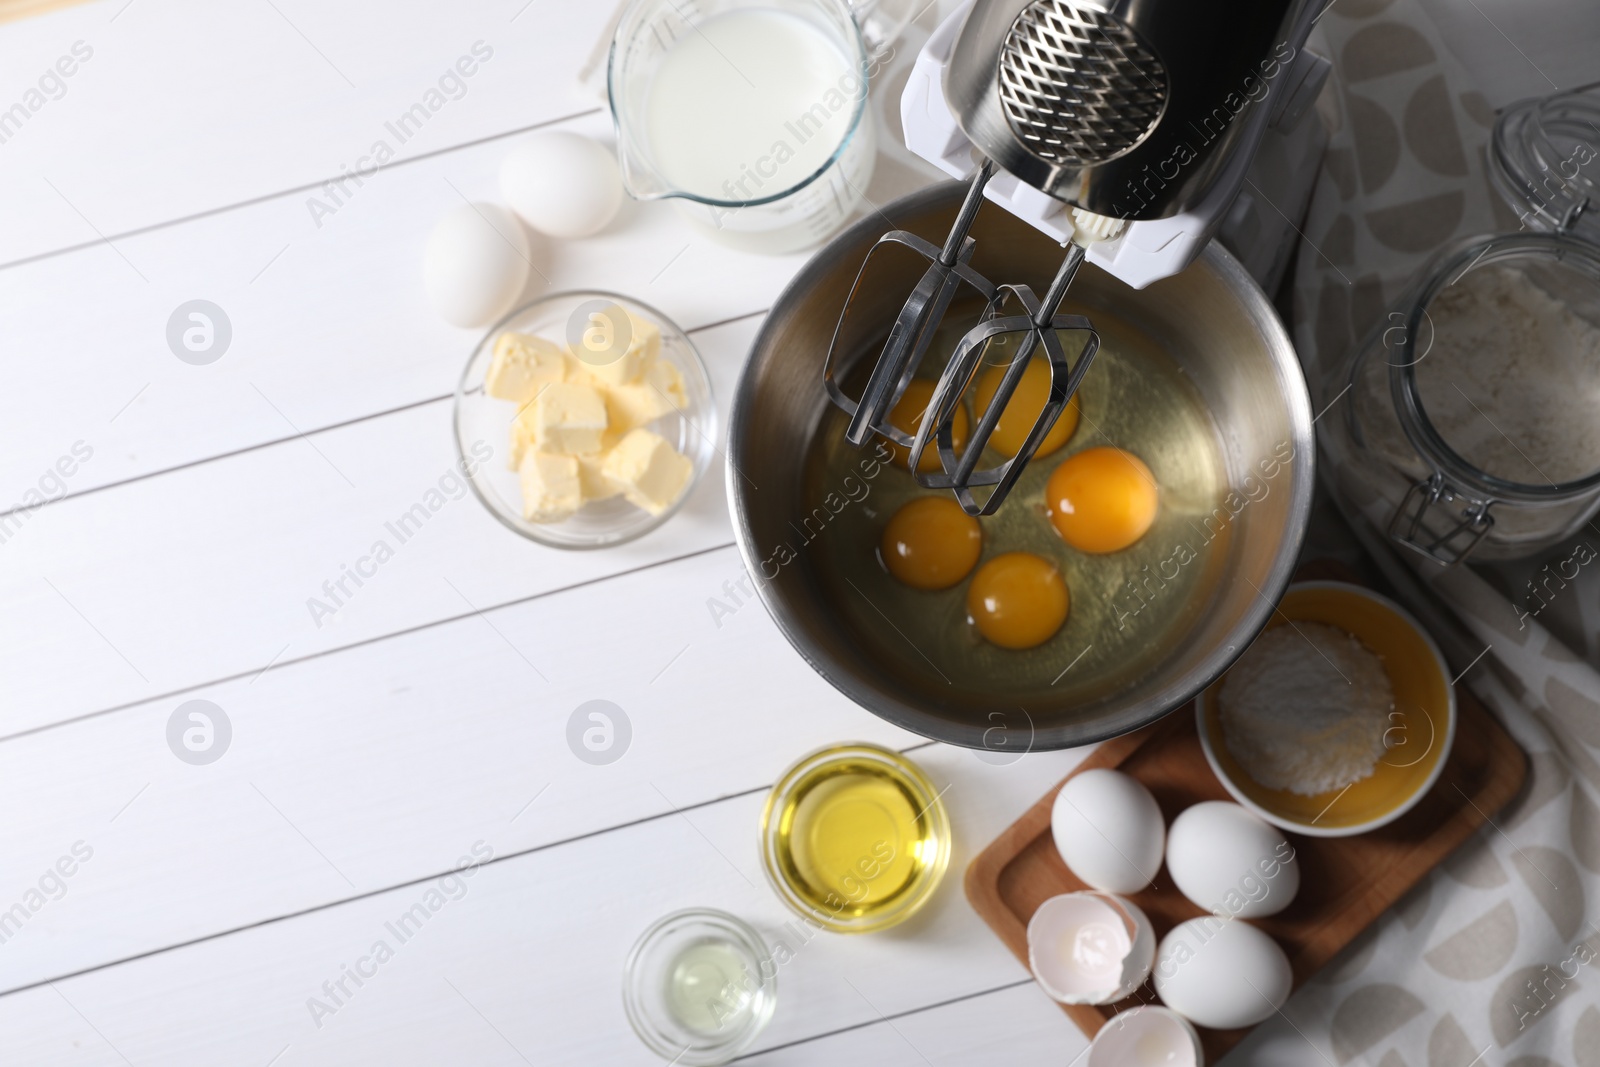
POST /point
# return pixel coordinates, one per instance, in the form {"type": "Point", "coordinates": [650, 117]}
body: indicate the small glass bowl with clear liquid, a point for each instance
{"type": "Point", "coordinates": [699, 987]}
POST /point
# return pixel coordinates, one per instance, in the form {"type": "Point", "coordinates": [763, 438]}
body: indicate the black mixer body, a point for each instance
{"type": "Point", "coordinates": [1124, 108]}
{"type": "Point", "coordinates": [1128, 111]}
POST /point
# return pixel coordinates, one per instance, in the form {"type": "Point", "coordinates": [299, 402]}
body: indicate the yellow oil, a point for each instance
{"type": "Point", "coordinates": [858, 840]}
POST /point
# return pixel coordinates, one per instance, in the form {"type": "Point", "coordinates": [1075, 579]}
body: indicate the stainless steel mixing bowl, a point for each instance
{"type": "Point", "coordinates": [1213, 320]}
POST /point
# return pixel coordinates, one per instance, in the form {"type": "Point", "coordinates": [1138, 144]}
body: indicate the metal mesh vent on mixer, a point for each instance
{"type": "Point", "coordinates": [1077, 85]}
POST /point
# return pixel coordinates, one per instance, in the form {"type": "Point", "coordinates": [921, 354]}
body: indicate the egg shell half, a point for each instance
{"type": "Point", "coordinates": [1109, 830]}
{"type": "Point", "coordinates": [476, 264]}
{"type": "Point", "coordinates": [1221, 973]}
{"type": "Point", "coordinates": [1230, 862]}
{"type": "Point", "coordinates": [1148, 1034]}
{"type": "Point", "coordinates": [1090, 948]}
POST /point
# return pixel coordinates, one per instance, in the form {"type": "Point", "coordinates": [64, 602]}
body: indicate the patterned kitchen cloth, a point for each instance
{"type": "Point", "coordinates": [1495, 957]}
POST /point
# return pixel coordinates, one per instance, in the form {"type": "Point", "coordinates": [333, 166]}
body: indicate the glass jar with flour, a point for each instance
{"type": "Point", "coordinates": [1472, 421]}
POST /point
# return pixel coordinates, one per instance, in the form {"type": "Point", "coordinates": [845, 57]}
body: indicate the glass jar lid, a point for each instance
{"type": "Point", "coordinates": [1544, 160]}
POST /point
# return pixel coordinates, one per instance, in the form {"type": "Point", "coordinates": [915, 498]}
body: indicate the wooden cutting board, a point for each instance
{"type": "Point", "coordinates": [1345, 882]}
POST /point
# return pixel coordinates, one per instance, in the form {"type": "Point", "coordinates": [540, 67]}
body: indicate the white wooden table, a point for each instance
{"type": "Point", "coordinates": [195, 509]}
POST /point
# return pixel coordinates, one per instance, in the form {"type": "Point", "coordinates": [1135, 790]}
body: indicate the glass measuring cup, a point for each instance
{"type": "Point", "coordinates": [750, 114]}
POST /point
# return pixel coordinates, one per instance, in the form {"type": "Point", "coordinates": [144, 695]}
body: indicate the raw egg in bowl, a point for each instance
{"type": "Point", "coordinates": [1102, 499]}
{"type": "Point", "coordinates": [930, 543]}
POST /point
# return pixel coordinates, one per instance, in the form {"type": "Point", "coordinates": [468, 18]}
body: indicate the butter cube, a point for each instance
{"type": "Point", "coordinates": [617, 346]}
{"type": "Point", "coordinates": [651, 472]}
{"type": "Point", "coordinates": [568, 418]}
{"type": "Point", "coordinates": [666, 378]}
{"type": "Point", "coordinates": [646, 338]}
{"type": "Point", "coordinates": [550, 487]}
{"type": "Point", "coordinates": [525, 433]}
{"type": "Point", "coordinates": [522, 440]}
{"type": "Point", "coordinates": [658, 392]}
{"type": "Point", "coordinates": [522, 365]}
{"type": "Point", "coordinates": [592, 480]}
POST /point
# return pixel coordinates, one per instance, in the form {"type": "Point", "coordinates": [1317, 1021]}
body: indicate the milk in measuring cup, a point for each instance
{"type": "Point", "coordinates": [747, 108]}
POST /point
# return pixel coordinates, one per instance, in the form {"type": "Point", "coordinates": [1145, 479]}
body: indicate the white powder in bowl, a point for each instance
{"type": "Point", "coordinates": [1305, 709]}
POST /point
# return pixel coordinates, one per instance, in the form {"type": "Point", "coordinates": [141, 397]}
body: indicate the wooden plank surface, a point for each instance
{"type": "Point", "coordinates": [535, 942]}
{"type": "Point", "coordinates": [429, 713]}
{"type": "Point", "coordinates": [328, 324]}
{"type": "Point", "coordinates": [202, 106]}
{"type": "Point", "coordinates": [137, 591]}
{"type": "Point", "coordinates": [388, 755]}
{"type": "Point", "coordinates": [1013, 1022]}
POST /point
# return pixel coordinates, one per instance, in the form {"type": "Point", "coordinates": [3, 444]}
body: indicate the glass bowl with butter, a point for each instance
{"type": "Point", "coordinates": [584, 419]}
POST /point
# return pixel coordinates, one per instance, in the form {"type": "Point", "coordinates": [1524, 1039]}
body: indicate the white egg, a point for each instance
{"type": "Point", "coordinates": [1230, 862]}
{"type": "Point", "coordinates": [476, 264]}
{"type": "Point", "coordinates": [562, 184]}
{"type": "Point", "coordinates": [1108, 830]}
{"type": "Point", "coordinates": [1146, 1036]}
{"type": "Point", "coordinates": [1090, 948]}
{"type": "Point", "coordinates": [1221, 973]}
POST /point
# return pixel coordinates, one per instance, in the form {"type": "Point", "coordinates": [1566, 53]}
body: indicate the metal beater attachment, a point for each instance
{"type": "Point", "coordinates": [1009, 309]}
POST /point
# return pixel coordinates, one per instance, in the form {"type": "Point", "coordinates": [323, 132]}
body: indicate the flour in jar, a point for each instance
{"type": "Point", "coordinates": [1306, 708]}
{"type": "Point", "coordinates": [1512, 379]}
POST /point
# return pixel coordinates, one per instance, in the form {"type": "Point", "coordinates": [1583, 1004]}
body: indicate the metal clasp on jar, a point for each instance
{"type": "Point", "coordinates": [1456, 543]}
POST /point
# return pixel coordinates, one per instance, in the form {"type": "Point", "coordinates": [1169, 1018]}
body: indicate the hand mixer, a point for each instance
{"type": "Point", "coordinates": [1123, 129]}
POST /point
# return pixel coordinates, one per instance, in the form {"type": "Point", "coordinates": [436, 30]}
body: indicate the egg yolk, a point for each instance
{"type": "Point", "coordinates": [907, 416]}
{"type": "Point", "coordinates": [931, 543]}
{"type": "Point", "coordinates": [1101, 500]}
{"type": "Point", "coordinates": [1022, 411]}
{"type": "Point", "coordinates": [1018, 600]}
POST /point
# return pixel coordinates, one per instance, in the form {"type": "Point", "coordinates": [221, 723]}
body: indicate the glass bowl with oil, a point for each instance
{"type": "Point", "coordinates": [855, 838]}
{"type": "Point", "coordinates": [699, 986]}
